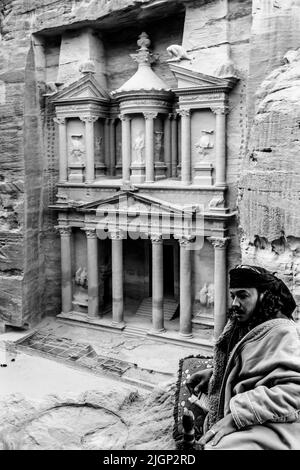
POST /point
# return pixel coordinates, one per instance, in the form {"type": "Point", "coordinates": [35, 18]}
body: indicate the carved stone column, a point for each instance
{"type": "Point", "coordinates": [185, 288]}
{"type": "Point", "coordinates": [93, 272]}
{"type": "Point", "coordinates": [167, 145]}
{"type": "Point", "coordinates": [63, 152]}
{"type": "Point", "coordinates": [107, 145]}
{"type": "Point", "coordinates": [185, 146]}
{"type": "Point", "coordinates": [220, 281]}
{"type": "Point", "coordinates": [149, 144]}
{"type": "Point", "coordinates": [126, 147]}
{"type": "Point", "coordinates": [220, 112]}
{"type": "Point", "coordinates": [117, 278]}
{"type": "Point", "coordinates": [112, 146]}
{"type": "Point", "coordinates": [66, 268]}
{"type": "Point", "coordinates": [174, 144]}
{"type": "Point", "coordinates": [157, 284]}
{"type": "Point", "coordinates": [90, 147]}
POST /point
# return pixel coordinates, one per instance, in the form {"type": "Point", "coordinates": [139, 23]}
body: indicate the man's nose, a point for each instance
{"type": "Point", "coordinates": [236, 302]}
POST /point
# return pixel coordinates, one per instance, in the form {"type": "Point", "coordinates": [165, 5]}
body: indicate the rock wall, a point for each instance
{"type": "Point", "coordinates": [269, 185]}
{"type": "Point", "coordinates": [123, 420]}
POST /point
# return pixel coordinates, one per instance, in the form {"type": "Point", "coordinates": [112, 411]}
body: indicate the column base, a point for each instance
{"type": "Point", "coordinates": [203, 174]}
{"type": "Point", "coordinates": [153, 331]}
{"type": "Point", "coordinates": [76, 171]}
{"type": "Point", "coordinates": [100, 169]}
{"type": "Point", "coordinates": [160, 170]}
{"type": "Point", "coordinates": [186, 335]}
{"type": "Point", "coordinates": [137, 173]}
{"type": "Point", "coordinates": [120, 324]}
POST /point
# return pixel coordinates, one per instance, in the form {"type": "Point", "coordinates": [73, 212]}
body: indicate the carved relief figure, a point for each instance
{"type": "Point", "coordinates": [203, 295]}
{"type": "Point", "coordinates": [158, 138]}
{"type": "Point", "coordinates": [206, 295]}
{"type": "Point", "coordinates": [77, 148]}
{"type": "Point", "coordinates": [177, 53]}
{"type": "Point", "coordinates": [81, 282]}
{"type": "Point", "coordinates": [119, 153]}
{"type": "Point", "coordinates": [204, 143]}
{"type": "Point", "coordinates": [138, 147]}
{"type": "Point", "coordinates": [99, 146]}
{"type": "Point", "coordinates": [210, 295]}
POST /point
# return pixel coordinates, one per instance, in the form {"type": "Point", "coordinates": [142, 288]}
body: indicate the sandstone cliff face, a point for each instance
{"type": "Point", "coordinates": [269, 185]}
{"type": "Point", "coordinates": [29, 245]}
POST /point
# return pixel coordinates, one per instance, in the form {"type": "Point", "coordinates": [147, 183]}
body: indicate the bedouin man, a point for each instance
{"type": "Point", "coordinates": [254, 385]}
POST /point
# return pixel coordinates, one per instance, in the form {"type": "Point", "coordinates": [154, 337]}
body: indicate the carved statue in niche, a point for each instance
{"type": "Point", "coordinates": [119, 153]}
{"type": "Point", "coordinates": [99, 147]}
{"type": "Point", "coordinates": [81, 282]}
{"type": "Point", "coordinates": [138, 147]}
{"type": "Point", "coordinates": [206, 295]}
{"type": "Point", "coordinates": [210, 295]}
{"type": "Point", "coordinates": [203, 295]}
{"type": "Point", "coordinates": [204, 143]}
{"type": "Point", "coordinates": [158, 146]}
{"type": "Point", "coordinates": [77, 148]}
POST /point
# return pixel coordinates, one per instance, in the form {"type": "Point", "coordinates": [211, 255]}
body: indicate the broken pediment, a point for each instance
{"type": "Point", "coordinates": [188, 78]}
{"type": "Point", "coordinates": [130, 202]}
{"type": "Point", "coordinates": [85, 89]}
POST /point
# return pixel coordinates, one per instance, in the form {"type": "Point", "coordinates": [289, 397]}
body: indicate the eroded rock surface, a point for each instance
{"type": "Point", "coordinates": [91, 421]}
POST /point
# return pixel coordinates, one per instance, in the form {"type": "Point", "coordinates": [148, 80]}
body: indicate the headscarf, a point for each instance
{"type": "Point", "coordinates": [262, 280]}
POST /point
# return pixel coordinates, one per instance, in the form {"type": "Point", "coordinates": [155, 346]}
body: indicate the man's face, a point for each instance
{"type": "Point", "coordinates": [244, 301]}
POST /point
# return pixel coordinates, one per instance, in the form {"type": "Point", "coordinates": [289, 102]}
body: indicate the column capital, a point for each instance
{"type": "Point", "coordinates": [90, 232]}
{"type": "Point", "coordinates": [124, 117]}
{"type": "Point", "coordinates": [219, 242]}
{"type": "Point", "coordinates": [64, 230]}
{"type": "Point", "coordinates": [184, 112]}
{"type": "Point", "coordinates": [60, 120]}
{"type": "Point", "coordinates": [150, 115]}
{"type": "Point", "coordinates": [220, 109]}
{"type": "Point", "coordinates": [185, 242]}
{"type": "Point", "coordinates": [89, 118]}
{"type": "Point", "coordinates": [116, 235]}
{"type": "Point", "coordinates": [173, 116]}
{"type": "Point", "coordinates": [156, 239]}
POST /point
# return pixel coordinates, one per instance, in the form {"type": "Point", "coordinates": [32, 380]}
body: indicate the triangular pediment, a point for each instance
{"type": "Point", "coordinates": [188, 78]}
{"type": "Point", "coordinates": [132, 203]}
{"type": "Point", "coordinates": [87, 88]}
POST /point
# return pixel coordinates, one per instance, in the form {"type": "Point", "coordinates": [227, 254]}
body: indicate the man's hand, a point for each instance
{"type": "Point", "coordinates": [198, 382]}
{"type": "Point", "coordinates": [222, 428]}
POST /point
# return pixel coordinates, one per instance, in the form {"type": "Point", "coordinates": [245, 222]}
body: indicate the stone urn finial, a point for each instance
{"type": "Point", "coordinates": [143, 41]}
{"type": "Point", "coordinates": [143, 57]}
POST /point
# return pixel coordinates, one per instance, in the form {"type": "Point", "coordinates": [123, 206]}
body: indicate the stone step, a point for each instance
{"type": "Point", "coordinates": [135, 331]}
{"type": "Point", "coordinates": [145, 308]}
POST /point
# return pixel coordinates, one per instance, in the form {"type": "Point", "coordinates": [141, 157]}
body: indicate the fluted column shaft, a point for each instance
{"type": "Point", "coordinates": [63, 152]}
{"type": "Point", "coordinates": [167, 145]}
{"type": "Point", "coordinates": [117, 278]}
{"type": "Point", "coordinates": [220, 145]}
{"type": "Point", "coordinates": [126, 147]}
{"type": "Point", "coordinates": [112, 146]}
{"type": "Point", "coordinates": [157, 284]}
{"type": "Point", "coordinates": [174, 144]}
{"type": "Point", "coordinates": [149, 145]}
{"type": "Point", "coordinates": [220, 282]}
{"type": "Point", "coordinates": [90, 147]}
{"type": "Point", "coordinates": [185, 146]}
{"type": "Point", "coordinates": [66, 268]}
{"type": "Point", "coordinates": [185, 289]}
{"type": "Point", "coordinates": [93, 272]}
